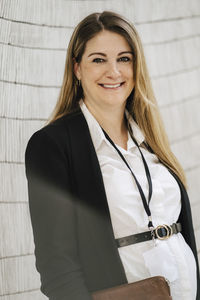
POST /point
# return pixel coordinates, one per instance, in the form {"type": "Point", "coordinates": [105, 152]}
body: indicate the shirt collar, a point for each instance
{"type": "Point", "coordinates": [137, 133]}
{"type": "Point", "coordinates": [97, 134]}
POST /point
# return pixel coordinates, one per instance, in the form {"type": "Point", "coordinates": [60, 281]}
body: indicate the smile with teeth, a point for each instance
{"type": "Point", "coordinates": [111, 86]}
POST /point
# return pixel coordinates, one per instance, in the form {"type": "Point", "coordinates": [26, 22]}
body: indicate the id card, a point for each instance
{"type": "Point", "coordinates": [160, 261]}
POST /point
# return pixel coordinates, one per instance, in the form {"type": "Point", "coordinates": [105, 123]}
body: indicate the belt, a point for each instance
{"type": "Point", "coordinates": [161, 232]}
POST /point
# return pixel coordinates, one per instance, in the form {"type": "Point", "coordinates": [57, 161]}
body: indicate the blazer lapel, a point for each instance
{"type": "Point", "coordinates": [93, 205]}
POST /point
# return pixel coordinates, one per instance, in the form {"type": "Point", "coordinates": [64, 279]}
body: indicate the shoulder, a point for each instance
{"type": "Point", "coordinates": [54, 139]}
{"type": "Point", "coordinates": [58, 131]}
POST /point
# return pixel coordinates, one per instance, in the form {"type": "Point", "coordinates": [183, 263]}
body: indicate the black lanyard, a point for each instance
{"type": "Point", "coordinates": [148, 175]}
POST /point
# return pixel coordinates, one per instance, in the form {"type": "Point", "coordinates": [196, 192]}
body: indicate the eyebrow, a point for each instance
{"type": "Point", "coordinates": [103, 54]}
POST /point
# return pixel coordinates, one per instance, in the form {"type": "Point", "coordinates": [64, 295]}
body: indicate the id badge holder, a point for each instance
{"type": "Point", "coordinates": [160, 261]}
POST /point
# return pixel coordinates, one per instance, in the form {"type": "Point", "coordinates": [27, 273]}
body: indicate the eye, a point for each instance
{"type": "Point", "coordinates": [98, 60]}
{"type": "Point", "coordinates": [124, 58]}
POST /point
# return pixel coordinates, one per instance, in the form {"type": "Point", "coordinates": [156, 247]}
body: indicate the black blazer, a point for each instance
{"type": "Point", "coordinates": [75, 248]}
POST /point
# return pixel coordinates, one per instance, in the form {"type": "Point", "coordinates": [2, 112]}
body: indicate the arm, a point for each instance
{"type": "Point", "coordinates": [53, 219]}
{"type": "Point", "coordinates": [185, 219]}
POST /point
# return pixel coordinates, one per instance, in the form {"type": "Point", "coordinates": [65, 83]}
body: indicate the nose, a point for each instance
{"type": "Point", "coordinates": [113, 70]}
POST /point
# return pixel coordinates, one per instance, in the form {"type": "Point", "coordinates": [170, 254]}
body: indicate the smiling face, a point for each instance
{"type": "Point", "coordinates": [106, 71]}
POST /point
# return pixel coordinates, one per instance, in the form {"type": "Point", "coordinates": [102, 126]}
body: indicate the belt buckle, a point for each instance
{"type": "Point", "coordinates": [168, 229]}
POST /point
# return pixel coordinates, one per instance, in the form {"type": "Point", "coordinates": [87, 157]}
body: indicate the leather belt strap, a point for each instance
{"type": "Point", "coordinates": [161, 232]}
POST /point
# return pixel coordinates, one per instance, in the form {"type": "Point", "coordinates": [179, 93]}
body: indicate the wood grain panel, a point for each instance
{"type": "Point", "coordinates": [177, 87]}
{"type": "Point", "coordinates": [163, 10]}
{"type": "Point", "coordinates": [193, 184]}
{"type": "Point", "coordinates": [53, 13]}
{"type": "Point", "coordinates": [184, 119]}
{"type": "Point", "coordinates": [34, 36]}
{"type": "Point", "coordinates": [195, 215]}
{"type": "Point", "coordinates": [164, 59]}
{"type": "Point", "coordinates": [14, 137]}
{"type": "Point", "coordinates": [16, 231]}
{"type": "Point", "coordinates": [198, 240]}
{"type": "Point", "coordinates": [13, 183]}
{"type": "Point", "coordinates": [18, 274]}
{"type": "Point", "coordinates": [29, 295]}
{"type": "Point", "coordinates": [32, 66]}
{"type": "Point", "coordinates": [27, 102]}
{"type": "Point", "coordinates": [187, 151]}
{"type": "Point", "coordinates": [152, 33]}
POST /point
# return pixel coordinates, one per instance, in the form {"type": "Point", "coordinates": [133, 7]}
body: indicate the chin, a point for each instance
{"type": "Point", "coordinates": [114, 101]}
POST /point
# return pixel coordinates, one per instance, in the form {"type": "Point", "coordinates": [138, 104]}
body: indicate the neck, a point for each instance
{"type": "Point", "coordinates": [113, 122]}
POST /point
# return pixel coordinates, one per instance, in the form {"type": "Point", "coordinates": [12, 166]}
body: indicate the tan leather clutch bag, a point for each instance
{"type": "Point", "coordinates": [153, 288]}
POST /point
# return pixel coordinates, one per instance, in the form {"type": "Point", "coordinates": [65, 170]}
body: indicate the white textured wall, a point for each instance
{"type": "Point", "coordinates": [34, 35]}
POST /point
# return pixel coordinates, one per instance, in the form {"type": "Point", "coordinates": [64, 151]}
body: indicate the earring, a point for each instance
{"type": "Point", "coordinates": [79, 82]}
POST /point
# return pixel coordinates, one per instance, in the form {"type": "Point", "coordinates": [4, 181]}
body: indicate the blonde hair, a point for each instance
{"type": "Point", "coordinates": [141, 103]}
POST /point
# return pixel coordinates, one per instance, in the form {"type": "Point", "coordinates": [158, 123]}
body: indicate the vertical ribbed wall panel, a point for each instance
{"type": "Point", "coordinates": [33, 40]}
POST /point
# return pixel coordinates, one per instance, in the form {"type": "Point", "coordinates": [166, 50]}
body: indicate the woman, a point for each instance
{"type": "Point", "coordinates": [102, 170]}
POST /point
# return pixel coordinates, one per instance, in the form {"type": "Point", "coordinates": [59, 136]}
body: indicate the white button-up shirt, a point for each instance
{"type": "Point", "coordinates": [171, 258]}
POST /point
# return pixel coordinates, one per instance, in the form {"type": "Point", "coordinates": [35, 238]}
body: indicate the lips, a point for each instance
{"type": "Point", "coordinates": [111, 86]}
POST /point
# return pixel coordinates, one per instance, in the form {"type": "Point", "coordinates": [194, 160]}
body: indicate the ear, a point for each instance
{"type": "Point", "coordinates": [77, 70]}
